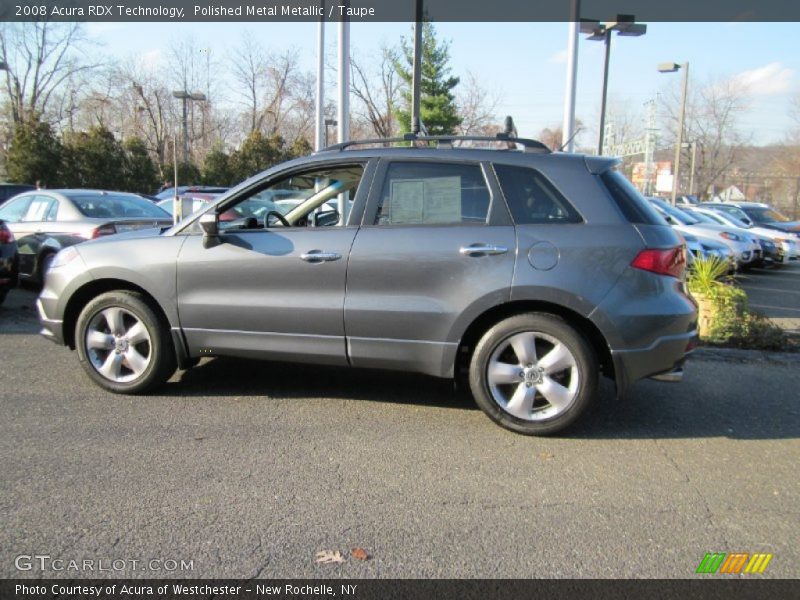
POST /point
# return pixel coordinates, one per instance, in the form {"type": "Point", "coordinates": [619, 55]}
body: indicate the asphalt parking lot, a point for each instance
{"type": "Point", "coordinates": [776, 293]}
{"type": "Point", "coordinates": [248, 469]}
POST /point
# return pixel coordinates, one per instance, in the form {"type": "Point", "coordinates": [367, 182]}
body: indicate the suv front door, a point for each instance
{"type": "Point", "coordinates": [436, 249]}
{"type": "Point", "coordinates": [275, 292]}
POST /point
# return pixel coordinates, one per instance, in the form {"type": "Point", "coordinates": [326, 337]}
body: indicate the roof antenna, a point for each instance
{"type": "Point", "coordinates": [572, 137]}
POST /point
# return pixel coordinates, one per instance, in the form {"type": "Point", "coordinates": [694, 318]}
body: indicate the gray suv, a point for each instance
{"type": "Point", "coordinates": [523, 273]}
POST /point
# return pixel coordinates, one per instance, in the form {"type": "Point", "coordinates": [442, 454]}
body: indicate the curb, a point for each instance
{"type": "Point", "coordinates": [745, 356]}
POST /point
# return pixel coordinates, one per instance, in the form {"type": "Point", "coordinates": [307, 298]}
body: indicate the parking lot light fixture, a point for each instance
{"type": "Point", "coordinates": [625, 25]}
{"type": "Point", "coordinates": [672, 67]}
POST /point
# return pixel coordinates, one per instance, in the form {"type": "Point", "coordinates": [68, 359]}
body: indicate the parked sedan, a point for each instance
{"type": "Point", "coordinates": [45, 221]}
{"type": "Point", "coordinates": [8, 261]}
{"type": "Point", "coordinates": [776, 246]}
{"type": "Point", "coordinates": [746, 247]}
{"type": "Point", "coordinates": [765, 216]}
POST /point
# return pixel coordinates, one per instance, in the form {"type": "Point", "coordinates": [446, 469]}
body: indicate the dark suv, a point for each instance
{"type": "Point", "coordinates": [528, 272]}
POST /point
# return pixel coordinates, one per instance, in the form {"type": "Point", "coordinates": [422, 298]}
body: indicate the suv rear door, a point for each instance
{"type": "Point", "coordinates": [436, 249]}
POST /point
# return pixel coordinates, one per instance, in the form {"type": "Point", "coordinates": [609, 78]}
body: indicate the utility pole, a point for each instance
{"type": "Point", "coordinates": [649, 147]}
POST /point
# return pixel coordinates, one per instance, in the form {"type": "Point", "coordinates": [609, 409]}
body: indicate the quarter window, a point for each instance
{"type": "Point", "coordinates": [433, 194]}
{"type": "Point", "coordinates": [42, 208]}
{"type": "Point", "coordinates": [532, 199]}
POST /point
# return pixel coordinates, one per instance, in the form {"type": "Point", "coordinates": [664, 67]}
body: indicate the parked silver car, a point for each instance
{"type": "Point", "coordinates": [45, 221]}
{"type": "Point", "coordinates": [527, 272]}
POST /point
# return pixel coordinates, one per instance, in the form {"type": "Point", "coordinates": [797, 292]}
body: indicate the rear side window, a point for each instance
{"type": "Point", "coordinates": [13, 210]}
{"type": "Point", "coordinates": [630, 202]}
{"type": "Point", "coordinates": [433, 194]}
{"type": "Point", "coordinates": [532, 199]}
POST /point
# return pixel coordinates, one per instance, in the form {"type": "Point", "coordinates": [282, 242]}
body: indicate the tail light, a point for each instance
{"type": "Point", "coordinates": [670, 262]}
{"type": "Point", "coordinates": [6, 237]}
{"type": "Point", "coordinates": [104, 230]}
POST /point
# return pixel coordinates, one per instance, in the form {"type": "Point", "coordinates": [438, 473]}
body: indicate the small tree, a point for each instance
{"type": "Point", "coordinates": [217, 168]}
{"type": "Point", "coordinates": [96, 159]}
{"type": "Point", "coordinates": [35, 154]}
{"type": "Point", "coordinates": [437, 103]}
{"type": "Point", "coordinates": [256, 153]}
{"type": "Point", "coordinates": [140, 172]}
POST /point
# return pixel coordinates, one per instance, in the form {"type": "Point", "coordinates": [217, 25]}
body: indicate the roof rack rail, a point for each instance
{"type": "Point", "coordinates": [444, 142]}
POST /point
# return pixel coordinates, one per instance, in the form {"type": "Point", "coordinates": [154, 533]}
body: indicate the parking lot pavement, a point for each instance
{"type": "Point", "coordinates": [248, 469]}
{"type": "Point", "coordinates": [776, 293]}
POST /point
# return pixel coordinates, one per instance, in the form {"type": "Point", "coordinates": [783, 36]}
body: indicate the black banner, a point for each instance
{"type": "Point", "coordinates": [411, 589]}
{"type": "Point", "coordinates": [396, 10]}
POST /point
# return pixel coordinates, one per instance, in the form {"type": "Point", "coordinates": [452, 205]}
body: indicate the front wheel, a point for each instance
{"type": "Point", "coordinates": [533, 373]}
{"type": "Point", "coordinates": [122, 344]}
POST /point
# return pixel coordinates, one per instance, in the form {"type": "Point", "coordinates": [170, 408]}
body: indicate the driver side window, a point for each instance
{"type": "Point", "coordinates": [305, 199]}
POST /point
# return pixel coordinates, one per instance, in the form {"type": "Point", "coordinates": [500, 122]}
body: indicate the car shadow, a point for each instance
{"type": "Point", "coordinates": [224, 377]}
{"type": "Point", "coordinates": [651, 410]}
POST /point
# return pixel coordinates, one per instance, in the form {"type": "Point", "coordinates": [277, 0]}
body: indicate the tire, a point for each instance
{"type": "Point", "coordinates": [531, 396]}
{"type": "Point", "coordinates": [138, 358]}
{"type": "Point", "coordinates": [3, 294]}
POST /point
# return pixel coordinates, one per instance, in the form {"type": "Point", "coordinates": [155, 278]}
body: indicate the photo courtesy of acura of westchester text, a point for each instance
{"type": "Point", "coordinates": [399, 299]}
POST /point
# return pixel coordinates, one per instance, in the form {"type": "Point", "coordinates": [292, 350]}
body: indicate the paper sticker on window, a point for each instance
{"type": "Point", "coordinates": [426, 201]}
{"type": "Point", "coordinates": [406, 205]}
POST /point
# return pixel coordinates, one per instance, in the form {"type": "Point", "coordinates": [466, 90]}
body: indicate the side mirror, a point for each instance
{"type": "Point", "coordinates": [210, 224]}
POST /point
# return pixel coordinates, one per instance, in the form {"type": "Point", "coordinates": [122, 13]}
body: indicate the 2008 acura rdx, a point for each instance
{"type": "Point", "coordinates": [529, 271]}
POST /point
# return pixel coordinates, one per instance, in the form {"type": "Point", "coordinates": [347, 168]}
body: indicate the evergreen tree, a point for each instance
{"type": "Point", "coordinates": [217, 168]}
{"type": "Point", "coordinates": [299, 148]}
{"type": "Point", "coordinates": [437, 102]}
{"type": "Point", "coordinates": [35, 154]}
{"type": "Point", "coordinates": [257, 153]}
{"type": "Point", "coordinates": [140, 172]}
{"type": "Point", "coordinates": [96, 160]}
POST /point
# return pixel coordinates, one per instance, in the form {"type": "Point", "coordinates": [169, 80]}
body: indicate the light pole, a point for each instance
{"type": "Point", "coordinates": [328, 123]}
{"type": "Point", "coordinates": [671, 68]}
{"type": "Point", "coordinates": [568, 126]}
{"type": "Point", "coordinates": [625, 25]}
{"type": "Point", "coordinates": [187, 97]}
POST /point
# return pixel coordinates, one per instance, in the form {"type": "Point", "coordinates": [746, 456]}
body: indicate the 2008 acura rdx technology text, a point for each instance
{"type": "Point", "coordinates": [529, 272]}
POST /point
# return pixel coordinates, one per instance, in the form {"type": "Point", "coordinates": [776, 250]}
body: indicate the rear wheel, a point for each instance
{"type": "Point", "coordinates": [533, 373]}
{"type": "Point", "coordinates": [122, 344]}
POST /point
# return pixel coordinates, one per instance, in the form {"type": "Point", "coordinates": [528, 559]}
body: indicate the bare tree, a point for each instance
{"type": "Point", "coordinates": [377, 91]}
{"type": "Point", "coordinates": [248, 65]}
{"type": "Point", "coordinates": [477, 108]}
{"type": "Point", "coordinates": [40, 56]}
{"type": "Point", "coordinates": [552, 137]}
{"type": "Point", "coordinates": [712, 112]}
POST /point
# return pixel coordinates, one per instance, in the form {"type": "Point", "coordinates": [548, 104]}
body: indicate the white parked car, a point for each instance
{"type": "Point", "coordinates": [724, 217]}
{"type": "Point", "coordinates": [745, 246]}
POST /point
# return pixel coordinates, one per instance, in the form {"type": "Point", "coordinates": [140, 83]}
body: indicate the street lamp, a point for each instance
{"type": "Point", "coordinates": [671, 67]}
{"type": "Point", "coordinates": [187, 97]}
{"type": "Point", "coordinates": [625, 25]}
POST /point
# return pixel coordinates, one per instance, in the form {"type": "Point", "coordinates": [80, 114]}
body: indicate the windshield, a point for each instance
{"type": "Point", "coordinates": [116, 206]}
{"type": "Point", "coordinates": [765, 215]}
{"type": "Point", "coordinates": [676, 213]}
{"type": "Point", "coordinates": [704, 218]}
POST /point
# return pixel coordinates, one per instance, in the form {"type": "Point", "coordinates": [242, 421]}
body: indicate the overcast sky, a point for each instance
{"type": "Point", "coordinates": [525, 62]}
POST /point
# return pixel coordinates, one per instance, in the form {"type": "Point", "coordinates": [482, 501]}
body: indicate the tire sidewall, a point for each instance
{"type": "Point", "coordinates": [550, 325]}
{"type": "Point", "coordinates": [159, 347]}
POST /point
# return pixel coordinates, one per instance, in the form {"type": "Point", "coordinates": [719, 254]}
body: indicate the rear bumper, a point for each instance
{"type": "Point", "coordinates": [663, 360]}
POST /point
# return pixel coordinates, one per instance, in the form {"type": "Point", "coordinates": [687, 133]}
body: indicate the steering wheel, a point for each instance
{"type": "Point", "coordinates": [277, 215]}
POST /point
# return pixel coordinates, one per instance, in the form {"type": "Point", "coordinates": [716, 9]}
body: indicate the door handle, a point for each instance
{"type": "Point", "coordinates": [482, 250]}
{"type": "Point", "coordinates": [318, 256]}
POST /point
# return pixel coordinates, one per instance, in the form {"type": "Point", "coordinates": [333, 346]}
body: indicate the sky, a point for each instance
{"type": "Point", "coordinates": [524, 64]}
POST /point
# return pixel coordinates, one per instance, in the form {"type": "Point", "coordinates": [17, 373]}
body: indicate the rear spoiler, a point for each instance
{"type": "Point", "coordinates": [601, 164]}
